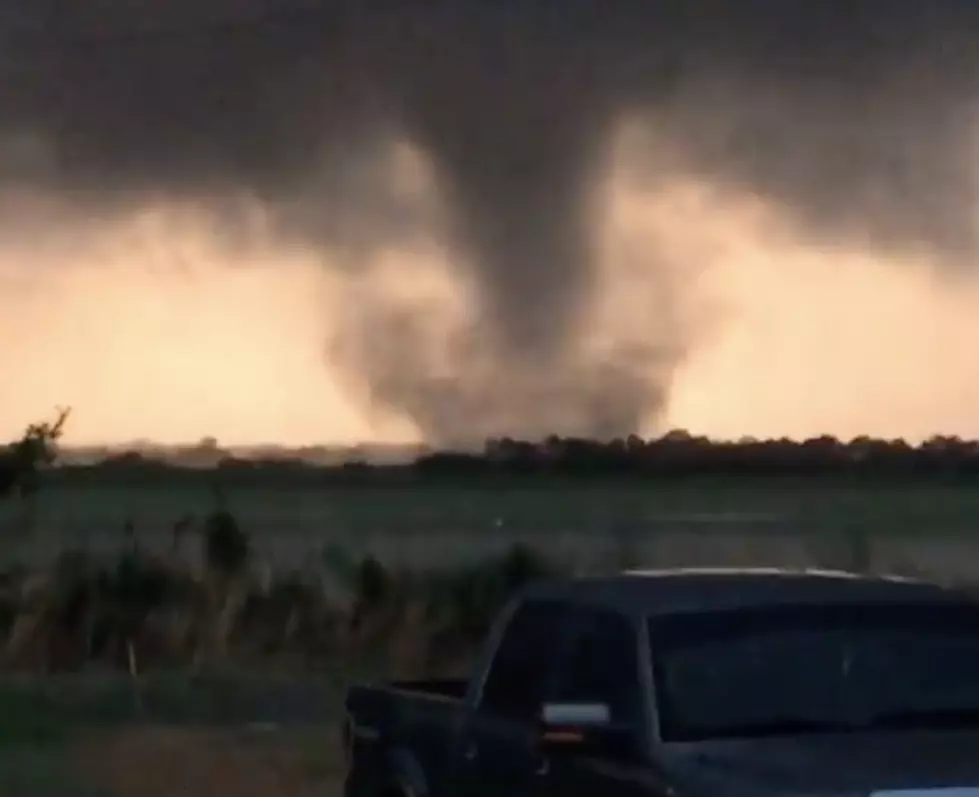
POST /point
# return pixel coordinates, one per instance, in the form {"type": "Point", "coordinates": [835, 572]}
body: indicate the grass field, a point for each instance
{"type": "Point", "coordinates": [791, 522]}
{"type": "Point", "coordinates": [193, 762]}
{"type": "Point", "coordinates": [84, 737]}
{"type": "Point", "coordinates": [164, 761]}
{"type": "Point", "coordinates": [88, 736]}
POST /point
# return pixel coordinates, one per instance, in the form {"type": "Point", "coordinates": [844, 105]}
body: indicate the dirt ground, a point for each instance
{"type": "Point", "coordinates": [166, 762]}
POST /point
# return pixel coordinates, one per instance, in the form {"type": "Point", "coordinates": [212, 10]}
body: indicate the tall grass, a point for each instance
{"type": "Point", "coordinates": [139, 612]}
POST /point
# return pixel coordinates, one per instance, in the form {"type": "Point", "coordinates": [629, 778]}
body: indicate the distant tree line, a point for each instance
{"type": "Point", "coordinates": [681, 454]}
{"type": "Point", "coordinates": [676, 455]}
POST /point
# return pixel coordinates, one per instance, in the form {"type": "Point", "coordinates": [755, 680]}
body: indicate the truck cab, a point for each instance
{"type": "Point", "coordinates": [573, 669]}
{"type": "Point", "coordinates": [656, 683]}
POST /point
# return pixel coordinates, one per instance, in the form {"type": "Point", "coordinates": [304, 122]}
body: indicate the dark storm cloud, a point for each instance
{"type": "Point", "coordinates": [857, 117]}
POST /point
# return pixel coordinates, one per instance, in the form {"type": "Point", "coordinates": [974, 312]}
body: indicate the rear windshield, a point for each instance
{"type": "Point", "coordinates": [804, 669]}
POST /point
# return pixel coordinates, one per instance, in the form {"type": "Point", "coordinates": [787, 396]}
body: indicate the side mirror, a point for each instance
{"type": "Point", "coordinates": [584, 729]}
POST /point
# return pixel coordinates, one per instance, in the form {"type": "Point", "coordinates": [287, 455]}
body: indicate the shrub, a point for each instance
{"type": "Point", "coordinates": [226, 546]}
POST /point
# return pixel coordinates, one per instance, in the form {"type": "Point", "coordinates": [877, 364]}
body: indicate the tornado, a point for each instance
{"type": "Point", "coordinates": [856, 119]}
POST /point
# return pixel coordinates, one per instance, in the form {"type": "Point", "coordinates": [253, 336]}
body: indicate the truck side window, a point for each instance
{"type": "Point", "coordinates": [521, 669]}
{"type": "Point", "coordinates": [602, 666]}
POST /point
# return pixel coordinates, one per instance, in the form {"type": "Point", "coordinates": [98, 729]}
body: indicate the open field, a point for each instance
{"type": "Point", "coordinates": [161, 761]}
{"type": "Point", "coordinates": [191, 733]}
{"type": "Point", "coordinates": [193, 762]}
{"type": "Point", "coordinates": [87, 747]}
{"type": "Point", "coordinates": [929, 527]}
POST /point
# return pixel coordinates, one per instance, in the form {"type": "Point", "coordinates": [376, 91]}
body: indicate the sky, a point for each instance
{"type": "Point", "coordinates": [328, 221]}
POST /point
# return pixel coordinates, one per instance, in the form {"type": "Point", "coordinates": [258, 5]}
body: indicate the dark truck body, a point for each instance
{"type": "Point", "coordinates": [403, 736]}
{"type": "Point", "coordinates": [591, 638]}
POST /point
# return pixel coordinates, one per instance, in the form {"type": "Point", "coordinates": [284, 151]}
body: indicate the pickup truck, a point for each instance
{"type": "Point", "coordinates": [692, 682]}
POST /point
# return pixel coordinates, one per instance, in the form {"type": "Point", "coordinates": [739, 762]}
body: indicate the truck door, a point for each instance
{"type": "Point", "coordinates": [602, 665]}
{"type": "Point", "coordinates": [497, 754]}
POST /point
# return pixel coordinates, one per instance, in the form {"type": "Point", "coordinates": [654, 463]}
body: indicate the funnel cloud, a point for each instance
{"type": "Point", "coordinates": [854, 119]}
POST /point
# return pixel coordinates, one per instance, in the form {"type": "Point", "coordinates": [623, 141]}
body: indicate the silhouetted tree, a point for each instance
{"type": "Point", "coordinates": [22, 462]}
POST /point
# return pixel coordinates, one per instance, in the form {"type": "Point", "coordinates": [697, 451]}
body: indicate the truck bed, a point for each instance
{"type": "Point", "coordinates": [444, 687]}
{"type": "Point", "coordinates": [389, 708]}
{"type": "Point", "coordinates": [385, 720]}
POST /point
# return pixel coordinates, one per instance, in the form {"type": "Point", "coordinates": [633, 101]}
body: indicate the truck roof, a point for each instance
{"type": "Point", "coordinates": [649, 593]}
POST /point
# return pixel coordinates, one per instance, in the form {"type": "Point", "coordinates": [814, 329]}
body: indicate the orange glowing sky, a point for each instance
{"type": "Point", "coordinates": [151, 328]}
